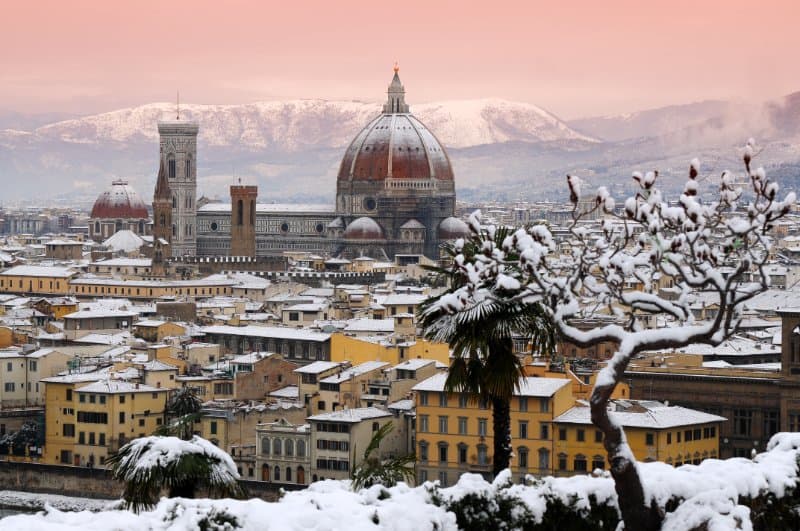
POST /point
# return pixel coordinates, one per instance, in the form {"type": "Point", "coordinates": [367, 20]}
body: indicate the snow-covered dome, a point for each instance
{"type": "Point", "coordinates": [364, 228]}
{"type": "Point", "coordinates": [124, 240]}
{"type": "Point", "coordinates": [452, 228]}
{"type": "Point", "coordinates": [119, 202]}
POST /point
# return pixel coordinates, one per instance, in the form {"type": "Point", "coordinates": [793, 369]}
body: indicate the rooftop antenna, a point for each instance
{"type": "Point", "coordinates": [178, 107]}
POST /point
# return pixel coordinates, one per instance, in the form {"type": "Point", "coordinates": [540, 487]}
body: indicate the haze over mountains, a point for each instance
{"type": "Point", "coordinates": [499, 149]}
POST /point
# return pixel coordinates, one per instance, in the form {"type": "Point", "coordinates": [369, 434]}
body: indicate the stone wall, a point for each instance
{"type": "Point", "coordinates": [95, 482]}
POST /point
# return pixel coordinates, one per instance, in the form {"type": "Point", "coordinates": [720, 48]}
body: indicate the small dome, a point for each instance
{"type": "Point", "coordinates": [452, 228]}
{"type": "Point", "coordinates": [363, 229]}
{"type": "Point", "coordinates": [412, 224]}
{"type": "Point", "coordinates": [119, 202]}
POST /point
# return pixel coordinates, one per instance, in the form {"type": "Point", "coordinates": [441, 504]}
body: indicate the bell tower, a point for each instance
{"type": "Point", "coordinates": [178, 142]}
{"type": "Point", "coordinates": [243, 220]}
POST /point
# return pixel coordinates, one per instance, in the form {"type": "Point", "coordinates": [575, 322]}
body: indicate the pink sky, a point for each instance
{"type": "Point", "coordinates": [574, 58]}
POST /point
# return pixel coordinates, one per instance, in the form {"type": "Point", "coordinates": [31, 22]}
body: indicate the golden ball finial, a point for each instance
{"type": "Point", "coordinates": [396, 67]}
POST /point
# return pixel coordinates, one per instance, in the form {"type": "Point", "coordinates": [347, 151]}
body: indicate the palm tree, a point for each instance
{"type": "Point", "coordinates": [180, 414]}
{"type": "Point", "coordinates": [481, 335]}
{"type": "Point", "coordinates": [374, 470]}
{"type": "Point", "coordinates": [148, 465]}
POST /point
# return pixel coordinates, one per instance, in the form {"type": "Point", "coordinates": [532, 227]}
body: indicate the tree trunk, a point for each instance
{"type": "Point", "coordinates": [501, 419]}
{"type": "Point", "coordinates": [636, 513]}
{"type": "Point", "coordinates": [186, 490]}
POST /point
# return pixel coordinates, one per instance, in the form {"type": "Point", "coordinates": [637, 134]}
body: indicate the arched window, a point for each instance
{"type": "Point", "coordinates": [289, 447]}
{"type": "Point", "coordinates": [265, 472]}
{"type": "Point", "coordinates": [265, 446]}
{"type": "Point", "coordinates": [579, 464]}
{"type": "Point", "coordinates": [301, 475]}
{"type": "Point", "coordinates": [301, 450]}
{"type": "Point", "coordinates": [174, 202]}
{"type": "Point", "coordinates": [288, 474]}
{"type": "Point", "coordinates": [276, 447]}
{"type": "Point", "coordinates": [277, 475]}
{"type": "Point", "coordinates": [188, 168]}
{"type": "Point", "coordinates": [171, 166]}
{"type": "Point", "coordinates": [97, 227]}
{"type": "Point", "coordinates": [240, 212]}
{"type": "Point", "coordinates": [162, 220]}
{"type": "Point", "coordinates": [599, 462]}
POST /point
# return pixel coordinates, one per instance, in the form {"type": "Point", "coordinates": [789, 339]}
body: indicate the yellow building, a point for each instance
{"type": "Point", "coordinates": [454, 434]}
{"type": "Point", "coordinates": [551, 434]}
{"type": "Point", "coordinates": [86, 419]}
{"type": "Point", "coordinates": [155, 330]}
{"type": "Point", "coordinates": [655, 432]}
{"type": "Point", "coordinates": [361, 350]}
{"type": "Point", "coordinates": [36, 280]}
{"type": "Point", "coordinates": [150, 289]}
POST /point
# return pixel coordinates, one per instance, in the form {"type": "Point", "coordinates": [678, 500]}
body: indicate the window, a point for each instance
{"type": "Point", "coordinates": [771, 422]}
{"type": "Point", "coordinates": [276, 447]}
{"type": "Point", "coordinates": [188, 174]}
{"type": "Point", "coordinates": [121, 399]}
{"type": "Point", "coordinates": [579, 464]}
{"type": "Point", "coordinates": [423, 451]}
{"type": "Point", "coordinates": [742, 421]}
{"type": "Point", "coordinates": [265, 446]}
{"type": "Point", "coordinates": [81, 437]}
{"type": "Point", "coordinates": [423, 398]}
{"type": "Point", "coordinates": [442, 399]}
{"type": "Point", "coordinates": [649, 439]}
{"type": "Point", "coordinates": [462, 425]}
{"type": "Point", "coordinates": [562, 461]}
{"type": "Point", "coordinates": [544, 431]}
{"type": "Point", "coordinates": [442, 424]}
{"type": "Point", "coordinates": [462, 401]}
{"type": "Point", "coordinates": [423, 423]}
{"type": "Point", "coordinates": [581, 435]}
{"type": "Point", "coordinates": [544, 405]}
{"type": "Point", "coordinates": [544, 459]}
{"type": "Point", "coordinates": [91, 417]}
{"type": "Point", "coordinates": [91, 438]}
{"type": "Point", "coordinates": [122, 417]}
{"type": "Point", "coordinates": [669, 437]}
{"type": "Point", "coordinates": [82, 398]}
{"type": "Point", "coordinates": [462, 454]}
{"type": "Point", "coordinates": [443, 453]}
{"type": "Point", "coordinates": [598, 463]}
{"type": "Point", "coordinates": [69, 395]}
{"type": "Point", "coordinates": [483, 457]}
{"type": "Point", "coordinates": [482, 427]}
{"type": "Point", "coordinates": [523, 429]}
{"type": "Point", "coordinates": [102, 399]}
{"type": "Point", "coordinates": [294, 316]}
{"type": "Point", "coordinates": [598, 436]}
{"type": "Point", "coordinates": [141, 424]}
{"type": "Point", "coordinates": [9, 387]}
{"type": "Point", "coordinates": [443, 478]}
{"type": "Point", "coordinates": [523, 403]}
{"type": "Point", "coordinates": [687, 435]}
{"type": "Point", "coordinates": [171, 166]}
{"type": "Point", "coordinates": [562, 434]}
{"type": "Point", "coordinates": [523, 457]}
{"type": "Point", "coordinates": [301, 448]}
{"type": "Point", "coordinates": [289, 447]}
{"type": "Point", "coordinates": [213, 427]}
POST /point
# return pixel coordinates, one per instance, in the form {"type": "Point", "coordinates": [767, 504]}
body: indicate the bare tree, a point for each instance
{"type": "Point", "coordinates": [719, 247]}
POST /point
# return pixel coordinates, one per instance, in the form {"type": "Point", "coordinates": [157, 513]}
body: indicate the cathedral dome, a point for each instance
{"type": "Point", "coordinates": [363, 229]}
{"type": "Point", "coordinates": [395, 145]}
{"type": "Point", "coordinates": [119, 202]}
{"type": "Point", "coordinates": [452, 228]}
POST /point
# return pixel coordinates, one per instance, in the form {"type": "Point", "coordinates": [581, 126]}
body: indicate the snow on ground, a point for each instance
{"type": "Point", "coordinates": [710, 490]}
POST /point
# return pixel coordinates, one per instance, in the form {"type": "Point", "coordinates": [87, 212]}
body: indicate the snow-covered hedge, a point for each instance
{"type": "Point", "coordinates": [758, 494]}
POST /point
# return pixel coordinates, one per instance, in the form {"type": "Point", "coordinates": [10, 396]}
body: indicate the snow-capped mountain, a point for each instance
{"type": "Point", "coordinates": [299, 124]}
